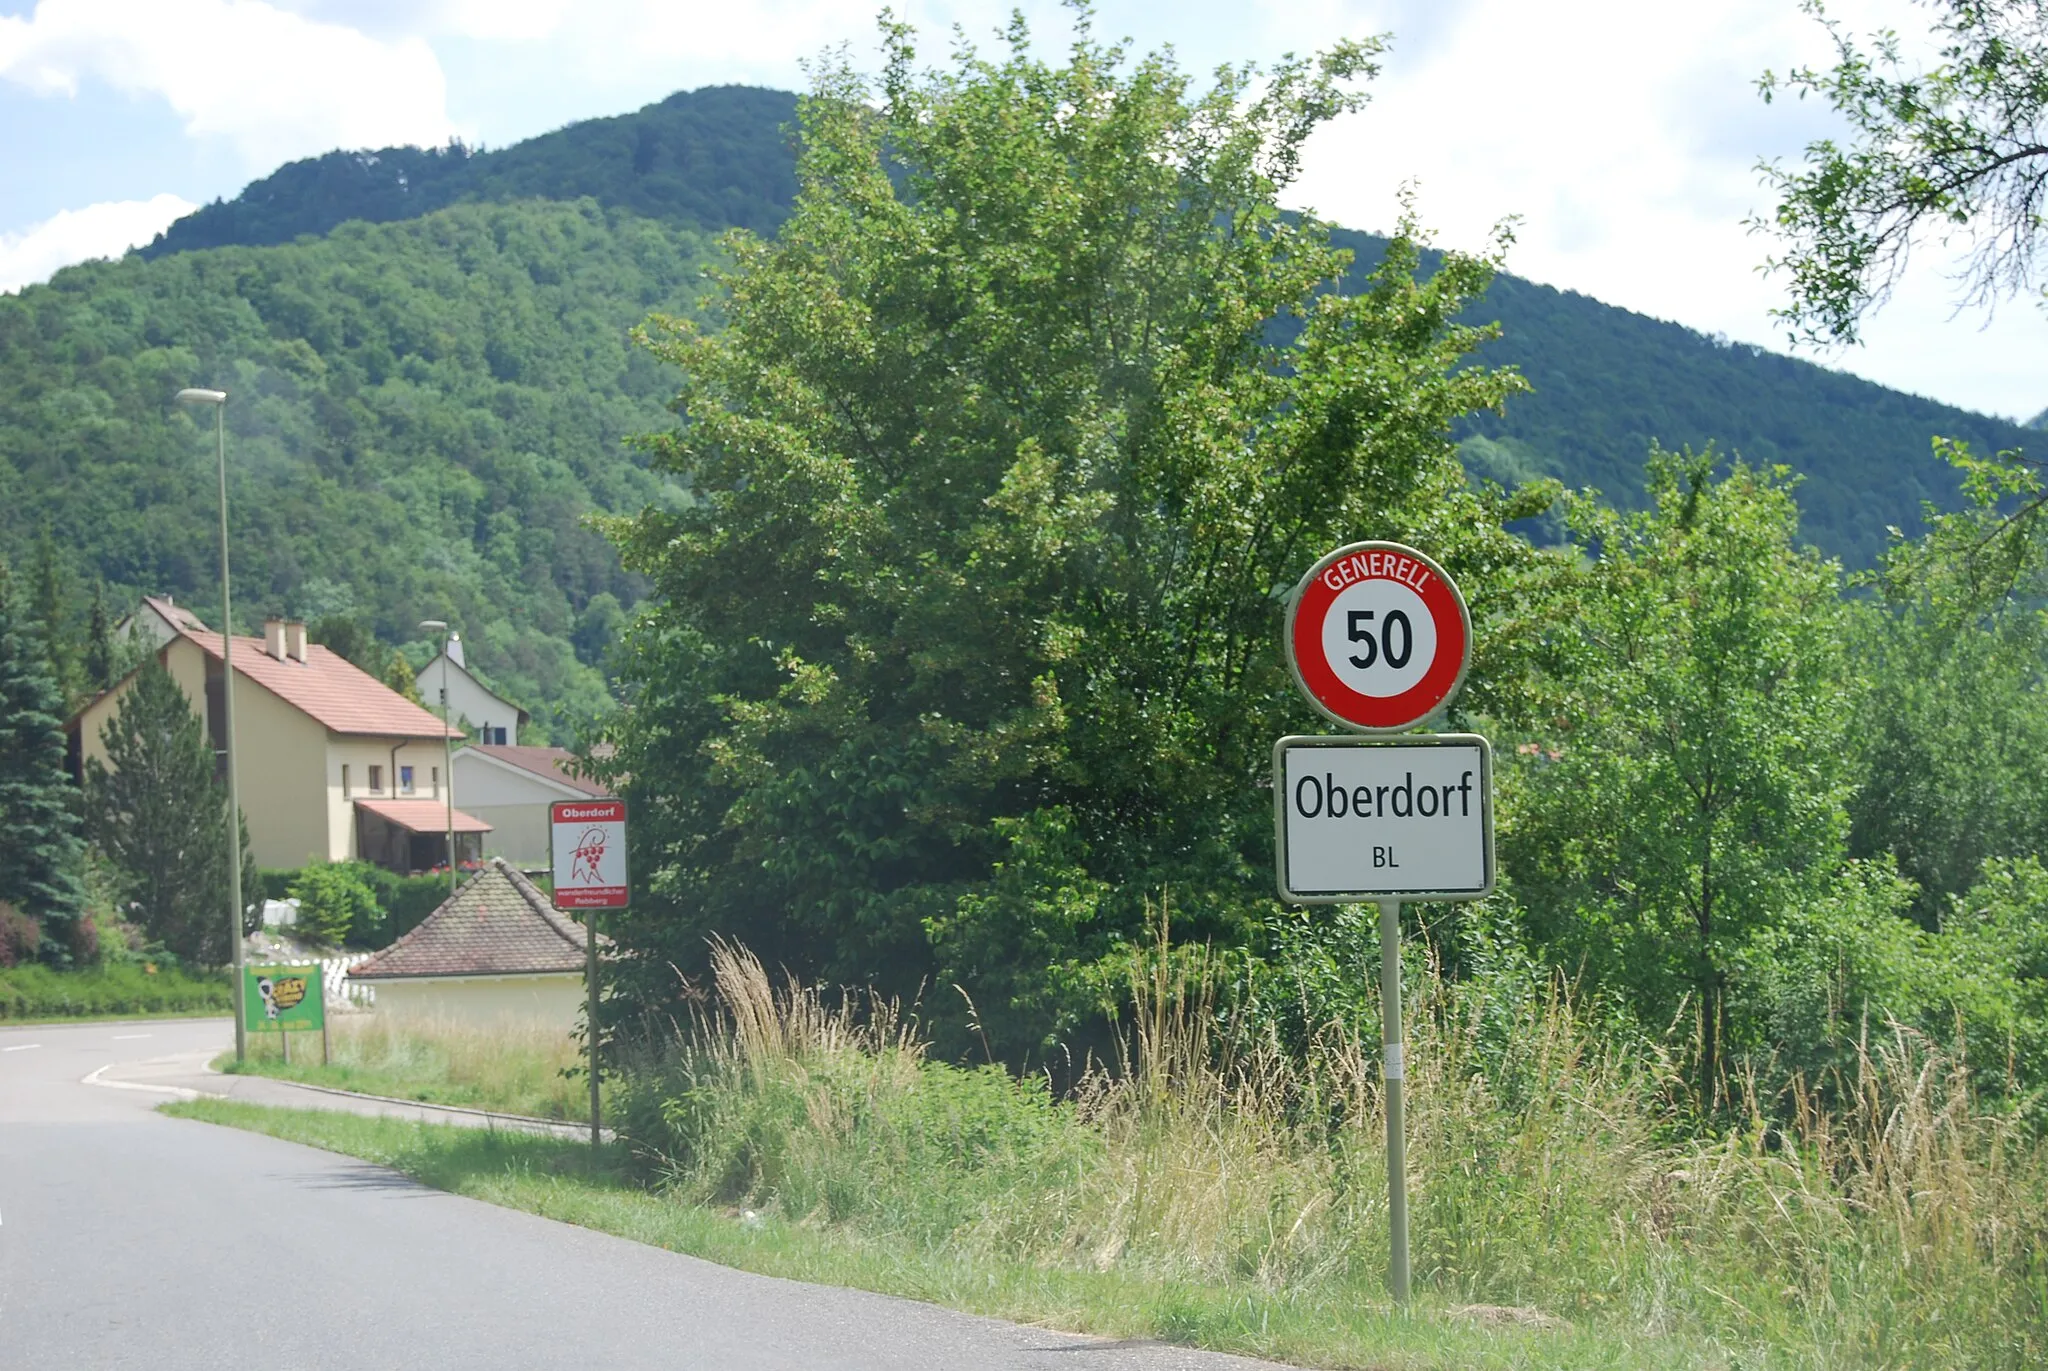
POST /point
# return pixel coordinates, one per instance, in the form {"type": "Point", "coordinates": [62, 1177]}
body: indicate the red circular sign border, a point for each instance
{"type": "Point", "coordinates": [1368, 713]}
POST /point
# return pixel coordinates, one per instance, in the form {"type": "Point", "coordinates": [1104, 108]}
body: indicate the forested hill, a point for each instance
{"type": "Point", "coordinates": [422, 415]}
{"type": "Point", "coordinates": [427, 407]}
{"type": "Point", "coordinates": [1607, 382]}
{"type": "Point", "coordinates": [708, 159]}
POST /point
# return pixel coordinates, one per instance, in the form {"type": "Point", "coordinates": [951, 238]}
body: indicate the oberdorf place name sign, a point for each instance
{"type": "Point", "coordinates": [1395, 819]}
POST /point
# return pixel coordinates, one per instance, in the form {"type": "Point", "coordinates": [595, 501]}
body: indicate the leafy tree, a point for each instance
{"type": "Point", "coordinates": [1693, 812]}
{"type": "Point", "coordinates": [967, 646]}
{"type": "Point", "coordinates": [398, 674]}
{"type": "Point", "coordinates": [1994, 946]}
{"type": "Point", "coordinates": [335, 902]}
{"type": "Point", "coordinates": [1954, 723]}
{"type": "Point", "coordinates": [348, 637]}
{"type": "Point", "coordinates": [159, 813]}
{"type": "Point", "coordinates": [597, 627]}
{"type": "Point", "coordinates": [1952, 150]}
{"type": "Point", "coordinates": [40, 853]}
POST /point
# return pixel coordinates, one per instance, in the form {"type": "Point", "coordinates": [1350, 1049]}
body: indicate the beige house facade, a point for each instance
{"type": "Point", "coordinates": [315, 737]}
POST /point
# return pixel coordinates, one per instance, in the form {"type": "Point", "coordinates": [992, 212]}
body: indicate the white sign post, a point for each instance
{"type": "Point", "coordinates": [1378, 639]}
{"type": "Point", "coordinates": [589, 847]}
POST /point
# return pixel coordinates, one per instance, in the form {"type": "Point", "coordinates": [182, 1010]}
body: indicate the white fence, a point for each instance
{"type": "Point", "coordinates": [343, 993]}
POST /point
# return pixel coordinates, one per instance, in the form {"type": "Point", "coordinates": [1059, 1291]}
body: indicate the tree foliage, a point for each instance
{"type": "Point", "coordinates": [40, 852]}
{"type": "Point", "coordinates": [1952, 151]}
{"type": "Point", "coordinates": [159, 813]}
{"type": "Point", "coordinates": [1693, 804]}
{"type": "Point", "coordinates": [335, 902]}
{"type": "Point", "coordinates": [967, 647]}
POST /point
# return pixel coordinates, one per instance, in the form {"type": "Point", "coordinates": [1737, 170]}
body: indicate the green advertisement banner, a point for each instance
{"type": "Point", "coordinates": [283, 999]}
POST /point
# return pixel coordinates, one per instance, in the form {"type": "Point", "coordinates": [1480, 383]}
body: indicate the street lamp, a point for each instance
{"type": "Point", "coordinates": [219, 400]}
{"type": "Point", "coordinates": [447, 743]}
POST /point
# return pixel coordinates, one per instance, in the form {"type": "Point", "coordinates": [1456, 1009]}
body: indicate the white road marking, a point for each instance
{"type": "Point", "coordinates": [180, 1091]}
{"type": "Point", "coordinates": [22, 1047]}
{"type": "Point", "coordinates": [124, 1037]}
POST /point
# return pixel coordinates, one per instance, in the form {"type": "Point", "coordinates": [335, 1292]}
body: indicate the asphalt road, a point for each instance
{"type": "Point", "coordinates": [128, 1239]}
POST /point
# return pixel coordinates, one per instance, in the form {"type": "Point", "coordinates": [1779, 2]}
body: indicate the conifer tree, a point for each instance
{"type": "Point", "coordinates": [40, 852]}
{"type": "Point", "coordinates": [53, 619]}
{"type": "Point", "coordinates": [157, 810]}
{"type": "Point", "coordinates": [99, 643]}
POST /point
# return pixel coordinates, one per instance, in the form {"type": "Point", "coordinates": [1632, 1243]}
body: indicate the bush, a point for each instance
{"type": "Point", "coordinates": [397, 903]}
{"type": "Point", "coordinates": [336, 903]}
{"type": "Point", "coordinates": [407, 900]}
{"type": "Point", "coordinates": [37, 992]}
{"type": "Point", "coordinates": [20, 936]}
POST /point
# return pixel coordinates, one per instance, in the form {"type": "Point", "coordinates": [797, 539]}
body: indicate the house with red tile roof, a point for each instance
{"type": "Point", "coordinates": [332, 763]}
{"type": "Point", "coordinates": [496, 950]}
{"type": "Point", "coordinates": [510, 788]}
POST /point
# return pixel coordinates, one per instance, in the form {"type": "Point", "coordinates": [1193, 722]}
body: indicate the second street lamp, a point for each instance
{"type": "Point", "coordinates": [447, 743]}
{"type": "Point", "coordinates": [219, 400]}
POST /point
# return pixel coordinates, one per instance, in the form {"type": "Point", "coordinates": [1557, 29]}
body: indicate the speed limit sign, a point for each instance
{"type": "Point", "coordinates": [1378, 637]}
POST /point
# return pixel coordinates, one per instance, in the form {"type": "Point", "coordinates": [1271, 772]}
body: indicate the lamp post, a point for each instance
{"type": "Point", "coordinates": [219, 400]}
{"type": "Point", "coordinates": [447, 743]}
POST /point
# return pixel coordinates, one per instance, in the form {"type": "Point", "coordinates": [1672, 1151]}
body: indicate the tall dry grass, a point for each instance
{"type": "Point", "coordinates": [514, 1066]}
{"type": "Point", "coordinates": [1553, 1165]}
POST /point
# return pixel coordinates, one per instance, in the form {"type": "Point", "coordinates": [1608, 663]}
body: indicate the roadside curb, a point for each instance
{"type": "Point", "coordinates": [525, 1121]}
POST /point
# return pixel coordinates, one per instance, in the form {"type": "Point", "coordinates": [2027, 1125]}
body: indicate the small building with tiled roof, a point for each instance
{"type": "Point", "coordinates": [510, 788]}
{"type": "Point", "coordinates": [316, 740]}
{"type": "Point", "coordinates": [496, 950]}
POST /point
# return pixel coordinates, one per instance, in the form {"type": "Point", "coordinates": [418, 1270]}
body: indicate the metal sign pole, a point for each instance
{"type": "Point", "coordinates": [590, 1015]}
{"type": "Point", "coordinates": [1394, 1071]}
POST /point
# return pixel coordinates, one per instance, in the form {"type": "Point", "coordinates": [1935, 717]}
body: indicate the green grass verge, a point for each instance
{"type": "Point", "coordinates": [561, 1180]}
{"type": "Point", "coordinates": [509, 1068]}
{"type": "Point", "coordinates": [119, 990]}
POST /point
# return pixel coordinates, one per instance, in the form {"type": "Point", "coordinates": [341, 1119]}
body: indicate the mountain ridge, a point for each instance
{"type": "Point", "coordinates": [1607, 382]}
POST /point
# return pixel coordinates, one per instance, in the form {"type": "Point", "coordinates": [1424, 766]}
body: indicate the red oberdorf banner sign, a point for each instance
{"type": "Point", "coordinates": [590, 853]}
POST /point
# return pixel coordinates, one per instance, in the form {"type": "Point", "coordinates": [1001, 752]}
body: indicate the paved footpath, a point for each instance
{"type": "Point", "coordinates": [128, 1239]}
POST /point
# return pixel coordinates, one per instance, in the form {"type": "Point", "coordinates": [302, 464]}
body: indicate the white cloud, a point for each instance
{"type": "Point", "coordinates": [78, 235]}
{"type": "Point", "coordinates": [275, 84]}
{"type": "Point", "coordinates": [1625, 136]}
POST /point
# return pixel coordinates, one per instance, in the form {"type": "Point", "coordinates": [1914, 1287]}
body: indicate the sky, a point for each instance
{"type": "Point", "coordinates": [1620, 137]}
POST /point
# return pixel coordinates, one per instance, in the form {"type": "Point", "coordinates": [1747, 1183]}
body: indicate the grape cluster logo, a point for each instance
{"type": "Point", "coordinates": [588, 853]}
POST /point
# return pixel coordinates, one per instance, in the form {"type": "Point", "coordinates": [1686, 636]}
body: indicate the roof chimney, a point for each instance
{"type": "Point", "coordinates": [295, 639]}
{"type": "Point", "coordinates": [455, 650]}
{"type": "Point", "coordinates": [273, 638]}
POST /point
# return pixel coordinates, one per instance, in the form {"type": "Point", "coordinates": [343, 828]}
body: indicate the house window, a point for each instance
{"type": "Point", "coordinates": [345, 791]}
{"type": "Point", "coordinates": [405, 780]}
{"type": "Point", "coordinates": [376, 780]}
{"type": "Point", "coordinates": [437, 782]}
{"type": "Point", "coordinates": [498, 736]}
